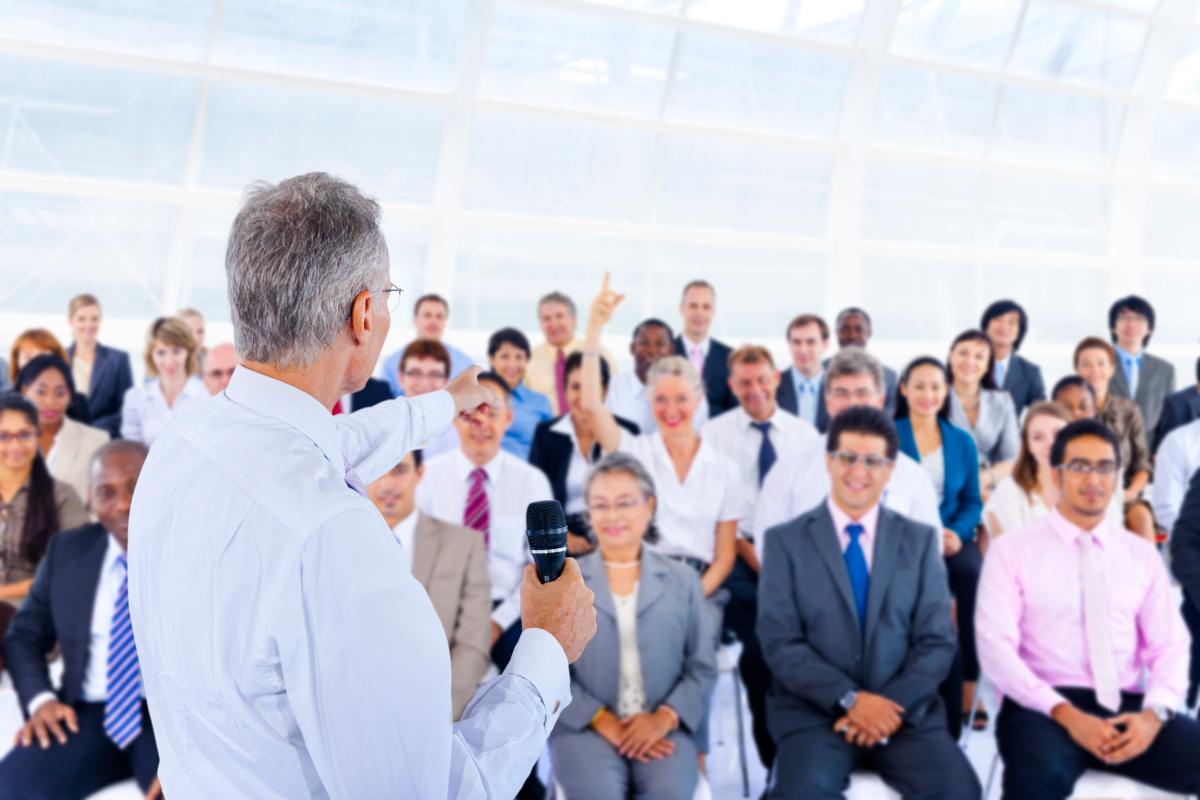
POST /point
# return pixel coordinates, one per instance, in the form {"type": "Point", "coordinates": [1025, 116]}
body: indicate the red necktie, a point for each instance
{"type": "Point", "coordinates": [337, 407]}
{"type": "Point", "coordinates": [560, 365]}
{"type": "Point", "coordinates": [476, 514]}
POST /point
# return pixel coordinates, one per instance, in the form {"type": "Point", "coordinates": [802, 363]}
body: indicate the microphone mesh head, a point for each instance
{"type": "Point", "coordinates": [545, 515]}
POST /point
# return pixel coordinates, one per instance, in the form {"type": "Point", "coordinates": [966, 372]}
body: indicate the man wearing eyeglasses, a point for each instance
{"type": "Point", "coordinates": [1078, 629]}
{"type": "Point", "coordinates": [854, 622]}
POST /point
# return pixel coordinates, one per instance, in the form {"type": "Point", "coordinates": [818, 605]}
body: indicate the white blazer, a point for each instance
{"type": "Point", "coordinates": [70, 459]}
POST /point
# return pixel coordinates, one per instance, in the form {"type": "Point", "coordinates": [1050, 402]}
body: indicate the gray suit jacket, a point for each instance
{"type": "Point", "coordinates": [679, 663]}
{"type": "Point", "coordinates": [1155, 384]}
{"type": "Point", "coordinates": [809, 631]}
{"type": "Point", "coordinates": [451, 563]}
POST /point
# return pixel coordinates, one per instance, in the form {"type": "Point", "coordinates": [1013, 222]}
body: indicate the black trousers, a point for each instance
{"type": "Point", "coordinates": [1042, 761]}
{"type": "Point", "coordinates": [919, 762]}
{"type": "Point", "coordinates": [963, 571]}
{"type": "Point", "coordinates": [740, 617]}
{"type": "Point", "coordinates": [503, 649]}
{"type": "Point", "coordinates": [87, 763]}
{"type": "Point", "coordinates": [1191, 616]}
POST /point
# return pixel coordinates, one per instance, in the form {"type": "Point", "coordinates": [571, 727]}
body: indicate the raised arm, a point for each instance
{"type": "Point", "coordinates": [608, 432]}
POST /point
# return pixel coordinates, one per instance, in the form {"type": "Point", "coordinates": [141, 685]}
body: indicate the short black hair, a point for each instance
{"type": "Point", "coordinates": [865, 420]}
{"type": "Point", "coordinates": [494, 377]}
{"type": "Point", "coordinates": [653, 321]}
{"type": "Point", "coordinates": [1078, 429]}
{"type": "Point", "coordinates": [508, 336]}
{"type": "Point", "coordinates": [845, 312]}
{"type": "Point", "coordinates": [1073, 380]}
{"type": "Point", "coordinates": [417, 458]}
{"type": "Point", "coordinates": [39, 364]}
{"type": "Point", "coordinates": [575, 361]}
{"type": "Point", "coordinates": [902, 409]}
{"type": "Point", "coordinates": [435, 298]}
{"type": "Point", "coordinates": [1138, 305]}
{"type": "Point", "coordinates": [999, 309]}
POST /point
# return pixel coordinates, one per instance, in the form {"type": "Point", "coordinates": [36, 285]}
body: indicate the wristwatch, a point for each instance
{"type": "Point", "coordinates": [849, 699]}
{"type": "Point", "coordinates": [1163, 713]}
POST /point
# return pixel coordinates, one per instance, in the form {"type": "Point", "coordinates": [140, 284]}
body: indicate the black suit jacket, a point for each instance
{"type": "Point", "coordinates": [112, 377]}
{"type": "Point", "coordinates": [551, 453]}
{"type": "Point", "coordinates": [716, 375]}
{"type": "Point", "coordinates": [1023, 382]}
{"type": "Point", "coordinates": [374, 393]}
{"type": "Point", "coordinates": [1179, 409]}
{"type": "Point", "coordinates": [785, 396]}
{"type": "Point", "coordinates": [58, 609]}
{"type": "Point", "coordinates": [1185, 541]}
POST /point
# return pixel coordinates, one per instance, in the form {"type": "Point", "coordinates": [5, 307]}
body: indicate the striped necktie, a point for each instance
{"type": "Point", "coordinates": [352, 479]}
{"type": "Point", "coordinates": [123, 708]}
{"type": "Point", "coordinates": [477, 515]}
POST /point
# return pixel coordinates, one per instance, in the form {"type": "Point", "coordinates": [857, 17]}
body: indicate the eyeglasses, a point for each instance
{"type": "Point", "coordinates": [620, 507]}
{"type": "Point", "coordinates": [1083, 468]}
{"type": "Point", "coordinates": [417, 375]}
{"type": "Point", "coordinates": [862, 395]}
{"type": "Point", "coordinates": [24, 437]}
{"type": "Point", "coordinates": [393, 301]}
{"type": "Point", "coordinates": [849, 460]}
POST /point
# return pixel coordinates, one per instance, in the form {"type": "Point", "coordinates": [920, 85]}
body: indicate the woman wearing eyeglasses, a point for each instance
{"type": "Point", "coordinates": [33, 505]}
{"type": "Point", "coordinates": [641, 688]}
{"type": "Point", "coordinates": [948, 455]}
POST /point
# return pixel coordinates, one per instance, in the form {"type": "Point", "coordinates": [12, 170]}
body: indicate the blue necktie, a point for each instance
{"type": "Point", "coordinates": [999, 375]}
{"type": "Point", "coordinates": [766, 453]}
{"type": "Point", "coordinates": [860, 577]}
{"type": "Point", "coordinates": [123, 708]}
{"type": "Point", "coordinates": [1132, 371]}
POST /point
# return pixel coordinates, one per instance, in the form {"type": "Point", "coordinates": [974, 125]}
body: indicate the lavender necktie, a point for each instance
{"type": "Point", "coordinates": [352, 479]}
{"type": "Point", "coordinates": [1095, 625]}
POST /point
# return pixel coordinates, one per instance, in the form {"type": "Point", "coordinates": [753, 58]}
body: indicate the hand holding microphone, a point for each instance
{"type": "Point", "coordinates": [553, 594]}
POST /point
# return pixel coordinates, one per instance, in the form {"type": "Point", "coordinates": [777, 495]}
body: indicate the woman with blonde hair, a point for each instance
{"type": "Point", "coordinates": [175, 385]}
{"type": "Point", "coordinates": [102, 373]}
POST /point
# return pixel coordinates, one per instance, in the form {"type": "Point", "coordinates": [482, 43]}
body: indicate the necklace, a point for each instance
{"type": "Point", "coordinates": [972, 407]}
{"type": "Point", "coordinates": [622, 564]}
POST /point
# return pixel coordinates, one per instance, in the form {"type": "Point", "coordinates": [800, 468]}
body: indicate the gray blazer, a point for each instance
{"type": "Point", "coordinates": [1155, 384]}
{"type": "Point", "coordinates": [679, 663]}
{"type": "Point", "coordinates": [808, 624]}
{"type": "Point", "coordinates": [997, 437]}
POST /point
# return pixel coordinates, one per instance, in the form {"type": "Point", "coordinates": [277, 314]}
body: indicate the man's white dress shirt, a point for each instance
{"type": "Point", "coordinates": [405, 532]}
{"type": "Point", "coordinates": [1177, 460]}
{"type": "Point", "coordinates": [511, 486]}
{"type": "Point", "coordinates": [734, 436]}
{"type": "Point", "coordinates": [800, 481]}
{"type": "Point", "coordinates": [145, 412]}
{"type": "Point", "coordinates": [286, 650]}
{"type": "Point", "coordinates": [627, 398]}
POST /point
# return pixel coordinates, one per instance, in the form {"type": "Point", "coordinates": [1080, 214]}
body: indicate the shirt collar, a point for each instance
{"type": "Point", "coordinates": [1070, 533]}
{"type": "Point", "coordinates": [747, 422]}
{"type": "Point", "coordinates": [688, 344]}
{"type": "Point", "coordinates": [111, 553]}
{"type": "Point", "coordinates": [802, 381]}
{"type": "Point", "coordinates": [841, 519]}
{"type": "Point", "coordinates": [567, 348]}
{"type": "Point", "coordinates": [406, 527]}
{"type": "Point", "coordinates": [465, 466]}
{"type": "Point", "coordinates": [565, 425]}
{"type": "Point", "coordinates": [274, 398]}
{"type": "Point", "coordinates": [1127, 357]}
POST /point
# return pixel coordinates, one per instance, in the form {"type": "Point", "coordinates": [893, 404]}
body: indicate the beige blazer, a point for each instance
{"type": "Point", "coordinates": [73, 450]}
{"type": "Point", "coordinates": [450, 562]}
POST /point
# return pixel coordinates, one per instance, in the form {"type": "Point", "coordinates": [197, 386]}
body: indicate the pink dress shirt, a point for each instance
{"type": "Point", "coordinates": [1029, 616]}
{"type": "Point", "coordinates": [869, 521]}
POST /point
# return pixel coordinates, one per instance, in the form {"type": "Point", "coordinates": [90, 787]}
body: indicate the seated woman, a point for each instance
{"type": "Point", "coordinates": [508, 356]}
{"type": "Point", "coordinates": [564, 447]}
{"type": "Point", "coordinates": [641, 687]}
{"type": "Point", "coordinates": [66, 445]}
{"type": "Point", "coordinates": [171, 363]}
{"type": "Point", "coordinates": [33, 505]}
{"type": "Point", "coordinates": [981, 409]}
{"type": "Point", "coordinates": [40, 342]}
{"type": "Point", "coordinates": [948, 454]}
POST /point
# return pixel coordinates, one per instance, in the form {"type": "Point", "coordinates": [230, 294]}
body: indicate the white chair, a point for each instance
{"type": "Point", "coordinates": [727, 663]}
{"type": "Point", "coordinates": [1106, 786]}
{"type": "Point", "coordinates": [869, 786]}
{"type": "Point", "coordinates": [125, 790]}
{"type": "Point", "coordinates": [703, 792]}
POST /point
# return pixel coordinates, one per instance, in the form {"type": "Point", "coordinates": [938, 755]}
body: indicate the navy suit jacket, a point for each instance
{"type": "Point", "coordinates": [785, 396]}
{"type": "Point", "coordinates": [58, 609]}
{"type": "Point", "coordinates": [716, 375]}
{"type": "Point", "coordinates": [112, 377]}
{"type": "Point", "coordinates": [551, 453]}
{"type": "Point", "coordinates": [1179, 409]}
{"type": "Point", "coordinates": [1023, 382]}
{"type": "Point", "coordinates": [961, 505]}
{"type": "Point", "coordinates": [375, 392]}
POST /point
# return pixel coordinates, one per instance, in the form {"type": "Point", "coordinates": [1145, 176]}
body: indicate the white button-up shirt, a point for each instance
{"type": "Point", "coordinates": [405, 532]}
{"type": "Point", "coordinates": [1177, 460]}
{"type": "Point", "coordinates": [627, 398]}
{"type": "Point", "coordinates": [286, 650]}
{"type": "Point", "coordinates": [734, 436]}
{"type": "Point", "coordinates": [145, 413]}
{"type": "Point", "coordinates": [511, 486]}
{"type": "Point", "coordinates": [800, 481]}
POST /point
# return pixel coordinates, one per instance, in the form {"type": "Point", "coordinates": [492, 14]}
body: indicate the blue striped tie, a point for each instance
{"type": "Point", "coordinates": [123, 709]}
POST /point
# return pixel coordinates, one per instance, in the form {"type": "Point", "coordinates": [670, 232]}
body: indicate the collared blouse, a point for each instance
{"type": "Point", "coordinates": [14, 567]}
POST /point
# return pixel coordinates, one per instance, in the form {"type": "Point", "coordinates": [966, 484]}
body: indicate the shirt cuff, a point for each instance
{"type": "Point", "coordinates": [38, 701]}
{"type": "Point", "coordinates": [1044, 699]}
{"type": "Point", "coordinates": [1161, 696]}
{"type": "Point", "coordinates": [438, 410]}
{"type": "Point", "coordinates": [539, 659]}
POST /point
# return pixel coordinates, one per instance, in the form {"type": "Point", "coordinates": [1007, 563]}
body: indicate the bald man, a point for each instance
{"type": "Point", "coordinates": [218, 367]}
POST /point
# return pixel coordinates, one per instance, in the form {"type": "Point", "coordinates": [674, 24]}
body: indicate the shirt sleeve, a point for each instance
{"type": "Point", "coordinates": [1163, 640]}
{"type": "Point", "coordinates": [131, 416]}
{"type": "Point", "coordinates": [772, 507]}
{"type": "Point", "coordinates": [1170, 481]}
{"type": "Point", "coordinates": [734, 504]}
{"type": "Point", "coordinates": [375, 439]}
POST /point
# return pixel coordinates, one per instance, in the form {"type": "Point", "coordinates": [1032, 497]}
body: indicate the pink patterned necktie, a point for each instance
{"type": "Point", "coordinates": [1095, 625]}
{"type": "Point", "coordinates": [352, 479]}
{"type": "Point", "coordinates": [476, 515]}
{"type": "Point", "coordinates": [698, 360]}
{"type": "Point", "coordinates": [560, 381]}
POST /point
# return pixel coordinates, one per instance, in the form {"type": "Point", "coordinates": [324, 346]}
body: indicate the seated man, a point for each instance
{"type": "Point", "coordinates": [489, 489]}
{"type": "Point", "coordinates": [854, 622]}
{"type": "Point", "coordinates": [451, 563]}
{"type": "Point", "coordinates": [425, 366]}
{"type": "Point", "coordinates": [219, 364]}
{"type": "Point", "coordinates": [1077, 629]}
{"type": "Point", "coordinates": [95, 730]}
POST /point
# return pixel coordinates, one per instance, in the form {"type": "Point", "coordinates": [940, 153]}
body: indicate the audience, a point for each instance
{"type": "Point", "coordinates": [94, 730]}
{"type": "Point", "coordinates": [982, 410]}
{"type": "Point", "coordinates": [1095, 361]}
{"type": "Point", "coordinates": [1178, 410]}
{"type": "Point", "coordinates": [564, 448]}
{"type": "Point", "coordinates": [374, 392]}
{"type": "Point", "coordinates": [641, 688]}
{"type": "Point", "coordinates": [546, 372]}
{"type": "Point", "coordinates": [103, 373]}
{"type": "Point", "coordinates": [450, 561]}
{"type": "Point", "coordinates": [33, 505]}
{"type": "Point", "coordinates": [1006, 324]}
{"type": "Point", "coordinates": [431, 313]}
{"type": "Point", "coordinates": [425, 367]}
{"type": "Point", "coordinates": [218, 368]}
{"type": "Point", "coordinates": [40, 342]}
{"type": "Point", "coordinates": [195, 323]}
{"type": "Point", "coordinates": [854, 330]}
{"type": "Point", "coordinates": [652, 340]}
{"type": "Point", "coordinates": [173, 385]}
{"type": "Point", "coordinates": [1078, 632]}
{"type": "Point", "coordinates": [709, 357]}
{"type": "Point", "coordinates": [487, 489]}
{"type": "Point", "coordinates": [948, 455]}
{"type": "Point", "coordinates": [508, 356]}
{"type": "Point", "coordinates": [66, 445]}
{"type": "Point", "coordinates": [800, 391]}
{"type": "Point", "coordinates": [854, 620]}
{"type": "Point", "coordinates": [1141, 377]}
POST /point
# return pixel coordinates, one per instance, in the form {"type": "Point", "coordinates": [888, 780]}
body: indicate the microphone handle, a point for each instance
{"type": "Point", "coordinates": [549, 562]}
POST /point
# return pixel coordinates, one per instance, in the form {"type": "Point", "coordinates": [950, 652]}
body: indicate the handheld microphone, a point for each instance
{"type": "Point", "coordinates": [546, 527]}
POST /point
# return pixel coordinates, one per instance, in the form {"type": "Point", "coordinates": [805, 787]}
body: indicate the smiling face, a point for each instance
{"type": "Point", "coordinates": [925, 390]}
{"type": "Point", "coordinates": [510, 362]}
{"type": "Point", "coordinates": [1087, 495]}
{"type": "Point", "coordinates": [395, 494]}
{"type": "Point", "coordinates": [558, 325]}
{"type": "Point", "coordinates": [1040, 431]}
{"type": "Point", "coordinates": [49, 392]}
{"type": "Point", "coordinates": [170, 360]}
{"type": "Point", "coordinates": [85, 323]}
{"type": "Point", "coordinates": [113, 481]}
{"type": "Point", "coordinates": [754, 387]}
{"type": "Point", "coordinates": [856, 489]}
{"type": "Point", "coordinates": [1077, 401]}
{"type": "Point", "coordinates": [697, 309]}
{"type": "Point", "coordinates": [1131, 330]}
{"type": "Point", "coordinates": [651, 343]}
{"type": "Point", "coordinates": [674, 402]}
{"type": "Point", "coordinates": [1095, 367]}
{"type": "Point", "coordinates": [969, 361]}
{"type": "Point", "coordinates": [430, 320]}
{"type": "Point", "coordinates": [854, 331]}
{"type": "Point", "coordinates": [18, 442]}
{"type": "Point", "coordinates": [620, 514]}
{"type": "Point", "coordinates": [1004, 329]}
{"type": "Point", "coordinates": [480, 445]}
{"type": "Point", "coordinates": [847, 391]}
{"type": "Point", "coordinates": [808, 348]}
{"type": "Point", "coordinates": [420, 376]}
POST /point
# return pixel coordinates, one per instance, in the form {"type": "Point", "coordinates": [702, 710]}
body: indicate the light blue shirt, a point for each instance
{"type": "Point", "coordinates": [287, 652]}
{"type": "Point", "coordinates": [391, 366]}
{"type": "Point", "coordinates": [530, 409]}
{"type": "Point", "coordinates": [807, 391]}
{"type": "Point", "coordinates": [1133, 368]}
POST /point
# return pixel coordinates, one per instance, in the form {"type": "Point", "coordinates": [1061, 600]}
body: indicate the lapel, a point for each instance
{"type": "Point", "coordinates": [1118, 384]}
{"type": "Point", "coordinates": [1193, 399]}
{"type": "Point", "coordinates": [98, 367]}
{"type": "Point", "coordinates": [68, 445]}
{"type": "Point", "coordinates": [786, 396]}
{"type": "Point", "coordinates": [883, 564]}
{"type": "Point", "coordinates": [562, 461]}
{"type": "Point", "coordinates": [425, 547]}
{"type": "Point", "coordinates": [86, 578]}
{"type": "Point", "coordinates": [1147, 379]}
{"type": "Point", "coordinates": [591, 567]}
{"type": "Point", "coordinates": [714, 360]}
{"type": "Point", "coordinates": [650, 588]}
{"type": "Point", "coordinates": [1014, 376]}
{"type": "Point", "coordinates": [822, 412]}
{"type": "Point", "coordinates": [825, 541]}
